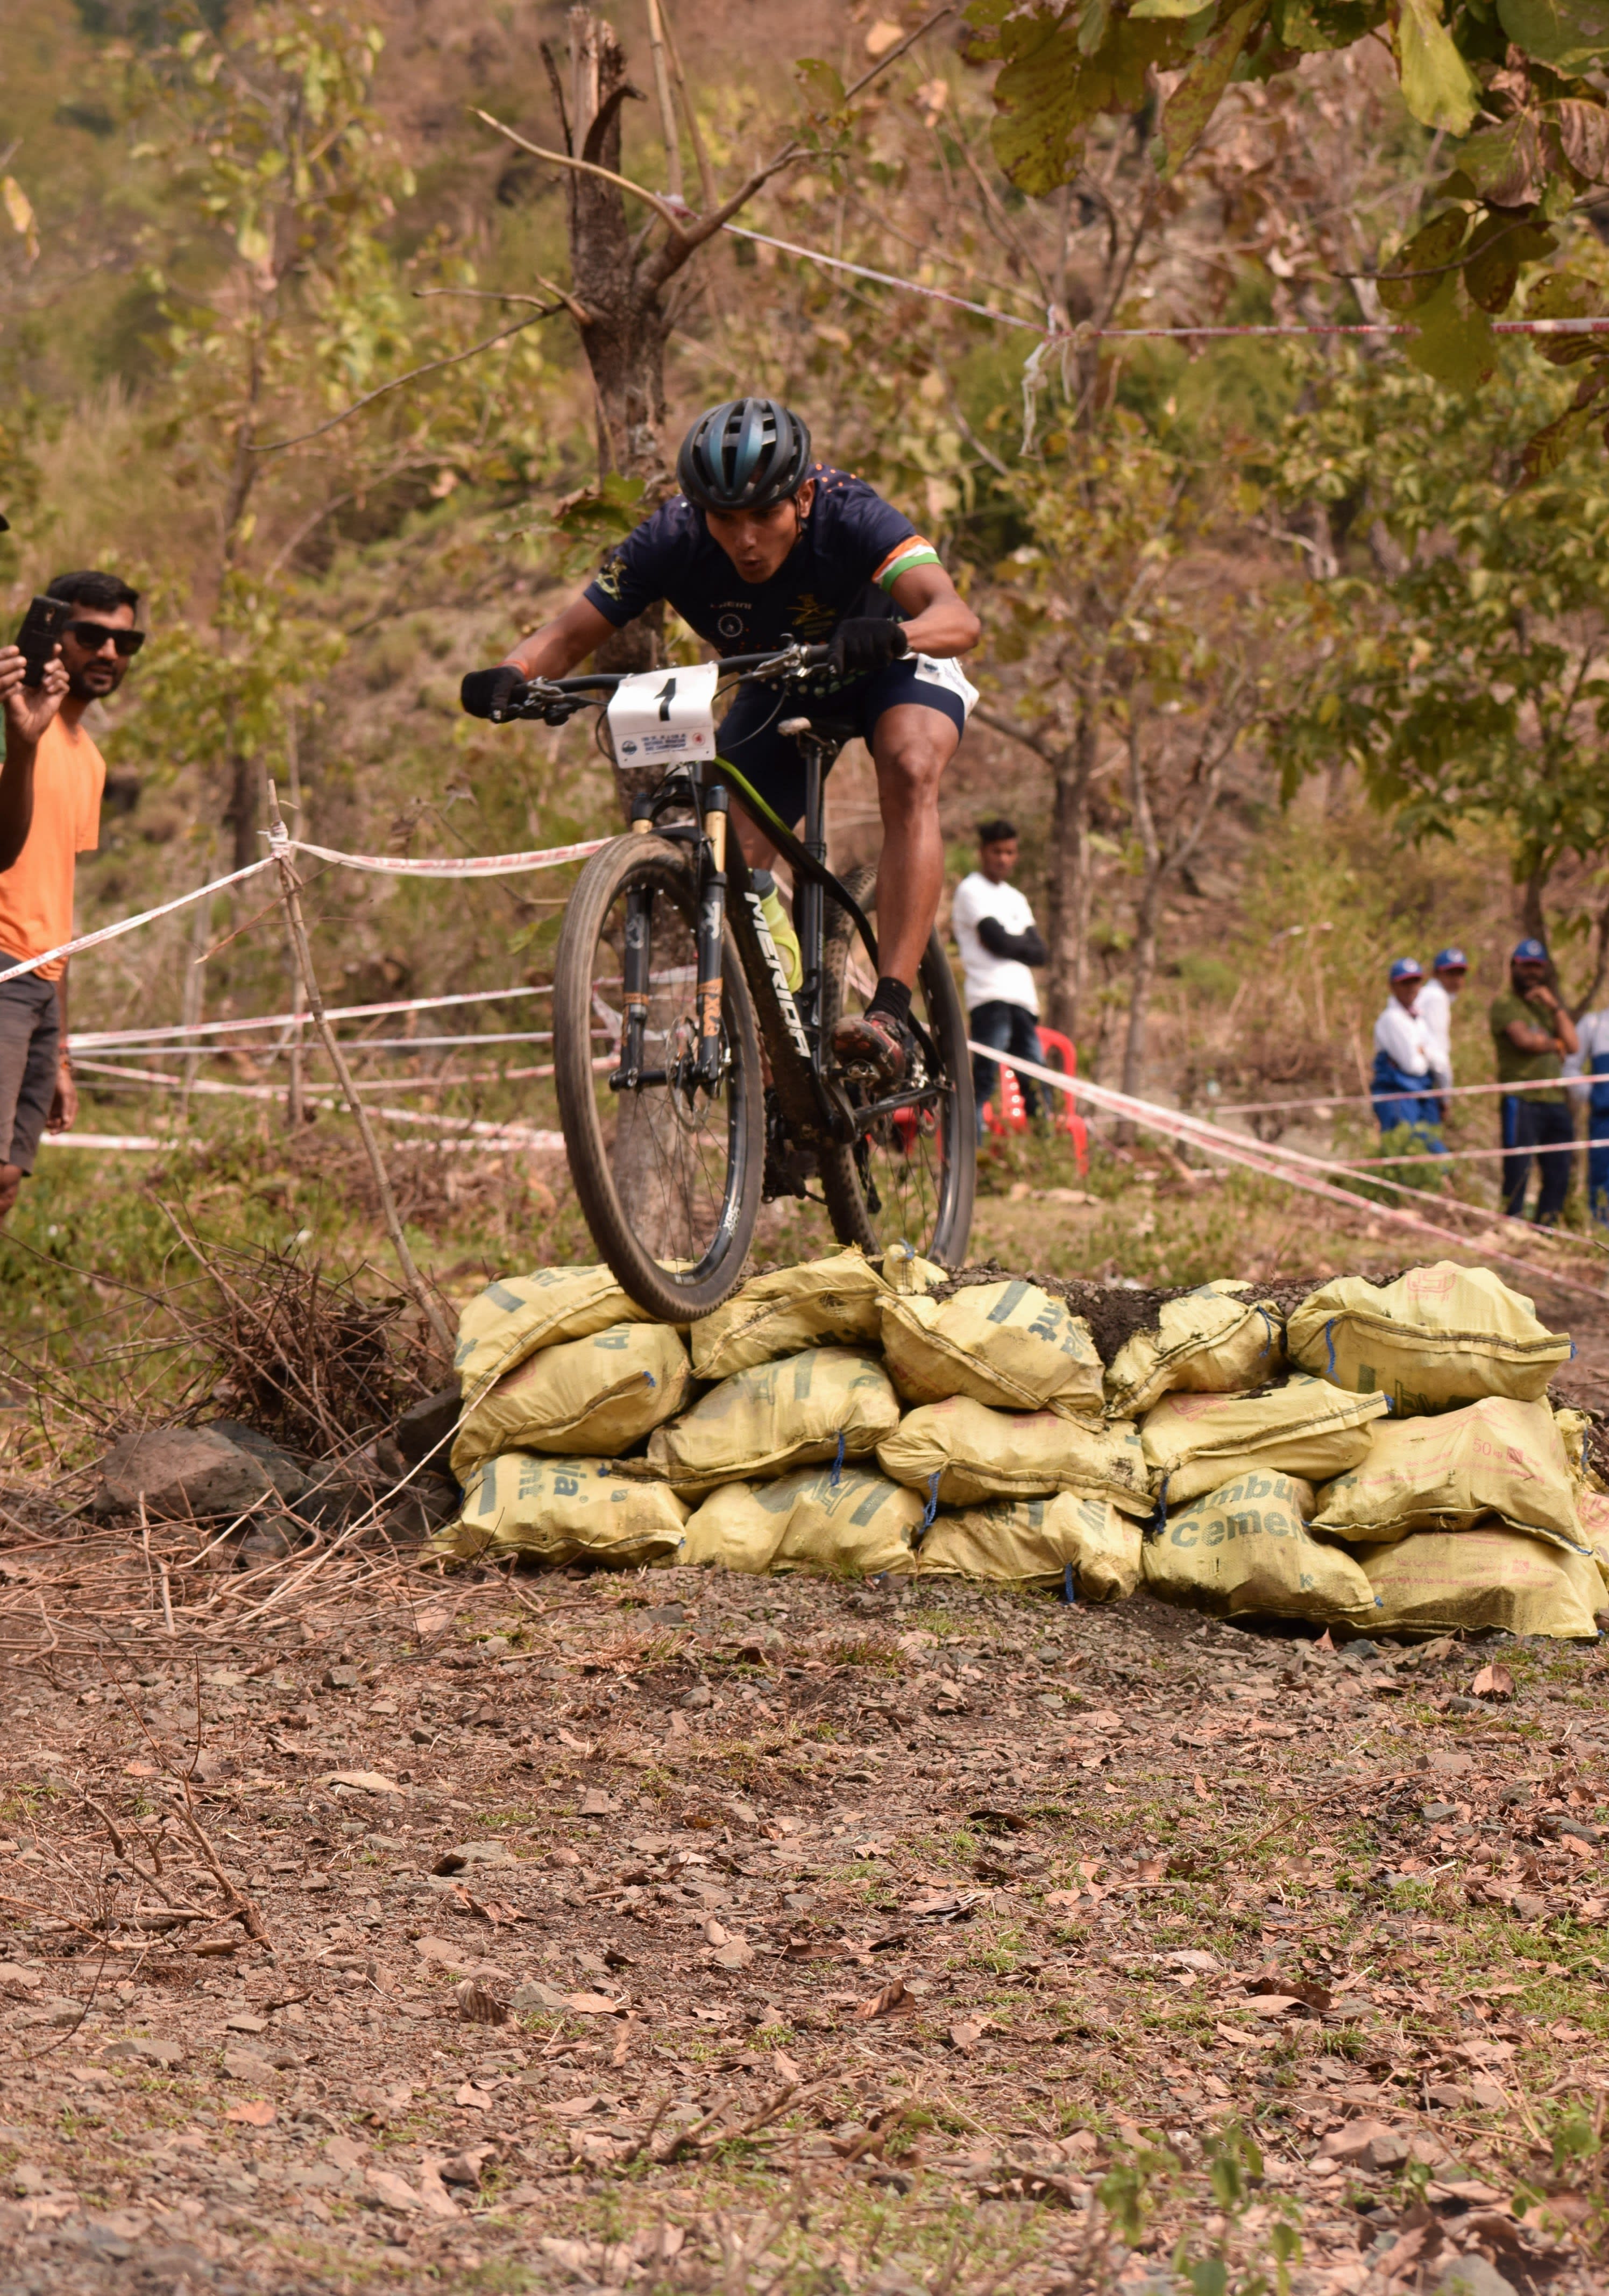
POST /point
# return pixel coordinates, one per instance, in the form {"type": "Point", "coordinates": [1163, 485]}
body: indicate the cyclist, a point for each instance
{"type": "Point", "coordinates": [762, 547]}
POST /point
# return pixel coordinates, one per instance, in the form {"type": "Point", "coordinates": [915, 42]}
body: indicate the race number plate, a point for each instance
{"type": "Point", "coordinates": [665, 717]}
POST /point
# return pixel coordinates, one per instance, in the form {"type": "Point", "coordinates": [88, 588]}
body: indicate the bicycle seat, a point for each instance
{"type": "Point", "coordinates": [835, 730]}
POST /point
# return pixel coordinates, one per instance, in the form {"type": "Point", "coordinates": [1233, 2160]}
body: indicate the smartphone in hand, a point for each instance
{"type": "Point", "coordinates": [42, 627]}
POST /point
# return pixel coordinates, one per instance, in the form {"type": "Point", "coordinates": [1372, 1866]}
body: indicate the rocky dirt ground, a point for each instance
{"type": "Point", "coordinates": [682, 1931]}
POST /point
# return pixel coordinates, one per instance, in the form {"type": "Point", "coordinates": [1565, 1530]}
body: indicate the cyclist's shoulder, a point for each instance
{"type": "Point", "coordinates": [844, 493]}
{"type": "Point", "coordinates": [676, 524]}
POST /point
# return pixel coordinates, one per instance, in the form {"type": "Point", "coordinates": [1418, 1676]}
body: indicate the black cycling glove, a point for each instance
{"type": "Point", "coordinates": [865, 642]}
{"type": "Point", "coordinates": [484, 692]}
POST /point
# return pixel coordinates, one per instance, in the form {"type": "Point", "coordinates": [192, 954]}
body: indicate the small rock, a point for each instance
{"type": "Point", "coordinates": [426, 1425]}
{"type": "Point", "coordinates": [269, 1541]}
{"type": "Point", "coordinates": [698, 1697]}
{"type": "Point", "coordinates": [735, 1956]}
{"type": "Point", "coordinates": [135, 2049]}
{"type": "Point", "coordinates": [594, 1803]}
{"type": "Point", "coordinates": [428, 1502]}
{"type": "Point", "coordinates": [341, 1677]}
{"type": "Point", "coordinates": [180, 1471]}
{"type": "Point", "coordinates": [288, 1477]}
{"type": "Point", "coordinates": [27, 2176]}
{"type": "Point", "coordinates": [240, 2064]}
{"type": "Point", "coordinates": [463, 2168]}
{"type": "Point", "coordinates": [533, 1994]}
{"type": "Point", "coordinates": [244, 2020]}
{"type": "Point", "coordinates": [1474, 2276]}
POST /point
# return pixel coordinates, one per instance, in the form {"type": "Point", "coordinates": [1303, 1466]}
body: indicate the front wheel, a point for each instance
{"type": "Point", "coordinates": [911, 1177]}
{"type": "Point", "coordinates": [667, 1166]}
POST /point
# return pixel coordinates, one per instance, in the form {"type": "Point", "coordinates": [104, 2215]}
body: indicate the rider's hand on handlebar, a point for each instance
{"type": "Point", "coordinates": [487, 692]}
{"type": "Point", "coordinates": [866, 643]}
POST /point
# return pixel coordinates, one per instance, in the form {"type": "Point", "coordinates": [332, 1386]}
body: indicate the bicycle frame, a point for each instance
{"type": "Point", "coordinates": [816, 1111]}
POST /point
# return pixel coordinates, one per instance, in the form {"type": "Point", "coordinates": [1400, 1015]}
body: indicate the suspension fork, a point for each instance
{"type": "Point", "coordinates": [712, 925]}
{"type": "Point", "coordinates": [637, 965]}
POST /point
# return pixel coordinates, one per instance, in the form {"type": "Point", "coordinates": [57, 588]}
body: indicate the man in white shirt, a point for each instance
{"type": "Point", "coordinates": [994, 931]}
{"type": "Point", "coordinates": [1590, 1062]}
{"type": "Point", "coordinates": [1433, 1010]}
{"type": "Point", "coordinates": [1400, 1086]}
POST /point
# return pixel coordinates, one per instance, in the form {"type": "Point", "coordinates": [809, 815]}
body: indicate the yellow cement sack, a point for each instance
{"type": "Point", "coordinates": [518, 1315]}
{"type": "Point", "coordinates": [822, 1301]}
{"type": "Point", "coordinates": [1213, 1342]}
{"type": "Point", "coordinates": [1574, 1428]}
{"type": "Point", "coordinates": [1436, 1338]}
{"type": "Point", "coordinates": [565, 1510]}
{"type": "Point", "coordinates": [852, 1525]}
{"type": "Point", "coordinates": [731, 1531]}
{"type": "Point", "coordinates": [1461, 1581]}
{"type": "Point", "coordinates": [976, 1452]}
{"type": "Point", "coordinates": [1031, 1542]}
{"type": "Point", "coordinates": [1592, 1509]}
{"type": "Point", "coordinates": [759, 1423]}
{"type": "Point", "coordinates": [1306, 1428]}
{"type": "Point", "coordinates": [595, 1398]}
{"type": "Point", "coordinates": [1243, 1551]}
{"type": "Point", "coordinates": [1496, 1457]}
{"type": "Point", "coordinates": [1008, 1344]}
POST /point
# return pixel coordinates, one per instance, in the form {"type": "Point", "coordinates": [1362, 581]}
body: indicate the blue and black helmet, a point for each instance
{"type": "Point", "coordinates": [744, 455]}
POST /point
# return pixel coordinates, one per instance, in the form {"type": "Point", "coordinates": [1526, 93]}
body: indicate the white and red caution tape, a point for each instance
{"type": "Point", "coordinates": [462, 865]}
{"type": "Point", "coordinates": [1270, 1164]}
{"type": "Point", "coordinates": [102, 1039]}
{"type": "Point", "coordinates": [473, 864]}
{"type": "Point", "coordinates": [127, 924]}
{"type": "Point", "coordinates": [1053, 331]}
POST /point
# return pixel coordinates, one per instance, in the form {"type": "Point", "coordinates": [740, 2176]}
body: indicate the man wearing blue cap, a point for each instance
{"type": "Point", "coordinates": [1401, 1085]}
{"type": "Point", "coordinates": [1449, 971]}
{"type": "Point", "coordinates": [1533, 1034]}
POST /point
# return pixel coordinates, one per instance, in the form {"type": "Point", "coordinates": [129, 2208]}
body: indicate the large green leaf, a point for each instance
{"type": "Point", "coordinates": [1047, 92]}
{"type": "Point", "coordinates": [1500, 246]}
{"type": "Point", "coordinates": [1583, 134]}
{"type": "Point", "coordinates": [1506, 164]}
{"type": "Point", "coordinates": [1438, 86]}
{"type": "Point", "coordinates": [1564, 33]}
{"type": "Point", "coordinates": [1315, 27]}
{"type": "Point", "coordinates": [1455, 343]}
{"type": "Point", "coordinates": [1196, 98]}
{"type": "Point", "coordinates": [1417, 269]}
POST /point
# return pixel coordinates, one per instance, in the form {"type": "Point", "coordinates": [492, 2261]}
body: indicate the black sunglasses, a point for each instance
{"type": "Point", "coordinates": [93, 635]}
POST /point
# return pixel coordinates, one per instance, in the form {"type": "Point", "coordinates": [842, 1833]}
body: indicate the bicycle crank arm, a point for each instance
{"type": "Point", "coordinates": [917, 1098]}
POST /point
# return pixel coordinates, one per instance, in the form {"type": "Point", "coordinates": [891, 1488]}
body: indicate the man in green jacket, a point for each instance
{"type": "Point", "coordinates": [1533, 1033]}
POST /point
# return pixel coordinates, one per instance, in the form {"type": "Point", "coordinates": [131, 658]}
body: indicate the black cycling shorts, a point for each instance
{"type": "Point", "coordinates": [748, 737]}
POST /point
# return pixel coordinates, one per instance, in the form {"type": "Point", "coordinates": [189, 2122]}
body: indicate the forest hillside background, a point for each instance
{"type": "Point", "coordinates": [1285, 671]}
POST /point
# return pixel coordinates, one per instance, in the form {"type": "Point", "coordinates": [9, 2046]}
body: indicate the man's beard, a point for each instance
{"type": "Point", "coordinates": [94, 684]}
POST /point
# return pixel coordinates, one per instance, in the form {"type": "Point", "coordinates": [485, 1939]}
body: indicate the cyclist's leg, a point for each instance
{"type": "Point", "coordinates": [748, 739]}
{"type": "Point", "coordinates": [916, 728]}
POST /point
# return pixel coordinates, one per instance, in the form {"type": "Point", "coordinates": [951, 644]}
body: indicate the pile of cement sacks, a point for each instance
{"type": "Point", "coordinates": [1384, 1460]}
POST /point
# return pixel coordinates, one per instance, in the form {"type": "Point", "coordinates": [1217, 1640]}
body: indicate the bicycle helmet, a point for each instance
{"type": "Point", "coordinates": [744, 455]}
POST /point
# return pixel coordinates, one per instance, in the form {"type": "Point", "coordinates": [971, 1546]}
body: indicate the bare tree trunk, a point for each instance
{"type": "Point", "coordinates": [1533, 918]}
{"type": "Point", "coordinates": [1068, 902]}
{"type": "Point", "coordinates": [1142, 965]}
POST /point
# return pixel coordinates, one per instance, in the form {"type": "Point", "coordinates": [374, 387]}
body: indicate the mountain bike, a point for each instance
{"type": "Point", "coordinates": [693, 1084]}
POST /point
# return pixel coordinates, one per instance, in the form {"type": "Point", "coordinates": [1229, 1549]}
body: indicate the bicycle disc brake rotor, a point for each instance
{"type": "Point", "coordinates": [690, 1104]}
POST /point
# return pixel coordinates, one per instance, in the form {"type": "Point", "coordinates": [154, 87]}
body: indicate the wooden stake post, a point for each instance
{"type": "Point", "coordinates": [291, 894]}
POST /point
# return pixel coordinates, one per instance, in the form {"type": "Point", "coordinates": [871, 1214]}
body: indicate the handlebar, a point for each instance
{"type": "Point", "coordinates": [555, 699]}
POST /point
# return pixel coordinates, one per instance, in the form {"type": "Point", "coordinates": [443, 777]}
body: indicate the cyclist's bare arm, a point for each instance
{"type": "Point", "coordinates": [562, 645]}
{"type": "Point", "coordinates": [938, 621]}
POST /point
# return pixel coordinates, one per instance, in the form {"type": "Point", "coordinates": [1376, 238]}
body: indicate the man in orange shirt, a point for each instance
{"type": "Point", "coordinates": [50, 812]}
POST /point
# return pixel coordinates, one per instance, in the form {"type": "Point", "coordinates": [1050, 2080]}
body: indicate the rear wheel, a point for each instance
{"type": "Point", "coordinates": [668, 1173]}
{"type": "Point", "coordinates": [912, 1176]}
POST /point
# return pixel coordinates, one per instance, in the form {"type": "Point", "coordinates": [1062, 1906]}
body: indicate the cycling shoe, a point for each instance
{"type": "Point", "coordinates": [874, 1051]}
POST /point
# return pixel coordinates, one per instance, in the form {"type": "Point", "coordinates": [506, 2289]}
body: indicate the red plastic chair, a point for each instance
{"type": "Point", "coordinates": [1005, 1110]}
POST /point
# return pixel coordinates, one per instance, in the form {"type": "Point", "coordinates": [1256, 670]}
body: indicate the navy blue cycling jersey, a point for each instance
{"type": "Point", "coordinates": [853, 541]}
